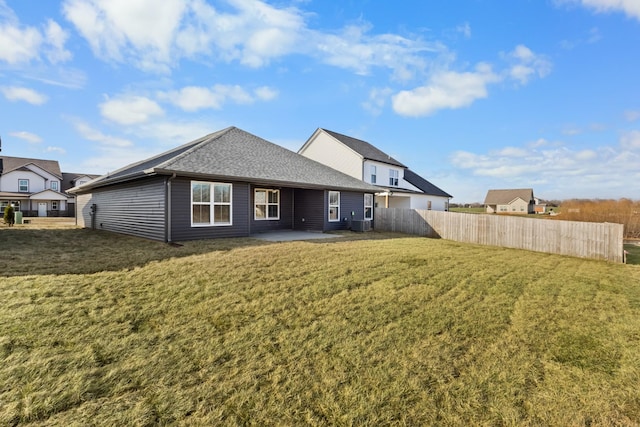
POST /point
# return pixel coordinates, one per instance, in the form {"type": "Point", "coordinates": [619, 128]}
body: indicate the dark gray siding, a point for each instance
{"type": "Point", "coordinates": [286, 211]}
{"type": "Point", "coordinates": [350, 202]}
{"type": "Point", "coordinates": [309, 209]}
{"type": "Point", "coordinates": [136, 208]}
{"type": "Point", "coordinates": [181, 228]}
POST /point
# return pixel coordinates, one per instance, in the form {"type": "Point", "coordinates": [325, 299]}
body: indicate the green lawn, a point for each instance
{"type": "Point", "coordinates": [368, 329]}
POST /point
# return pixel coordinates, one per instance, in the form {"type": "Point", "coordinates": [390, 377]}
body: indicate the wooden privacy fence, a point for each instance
{"type": "Point", "coordinates": [579, 239]}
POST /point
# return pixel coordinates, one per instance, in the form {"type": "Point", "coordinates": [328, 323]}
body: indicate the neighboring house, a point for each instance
{"type": "Point", "coordinates": [32, 186]}
{"type": "Point", "coordinates": [227, 184]}
{"type": "Point", "coordinates": [516, 201]}
{"type": "Point", "coordinates": [70, 180]}
{"type": "Point", "coordinates": [397, 186]}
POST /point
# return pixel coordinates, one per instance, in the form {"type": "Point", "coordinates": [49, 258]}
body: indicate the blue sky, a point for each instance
{"type": "Point", "coordinates": [470, 94]}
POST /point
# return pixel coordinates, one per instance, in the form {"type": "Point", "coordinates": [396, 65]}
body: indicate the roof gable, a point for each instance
{"type": "Point", "coordinates": [9, 164]}
{"type": "Point", "coordinates": [507, 196]}
{"type": "Point", "coordinates": [235, 154]}
{"type": "Point", "coordinates": [366, 150]}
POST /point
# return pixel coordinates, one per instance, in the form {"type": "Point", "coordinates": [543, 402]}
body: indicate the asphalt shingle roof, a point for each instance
{"type": "Point", "coordinates": [424, 185]}
{"type": "Point", "coordinates": [8, 164]}
{"type": "Point", "coordinates": [504, 197]}
{"type": "Point", "coordinates": [236, 154]}
{"type": "Point", "coordinates": [365, 149]}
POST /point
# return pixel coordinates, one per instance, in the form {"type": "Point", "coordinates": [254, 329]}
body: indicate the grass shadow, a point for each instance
{"type": "Point", "coordinates": [633, 253]}
{"type": "Point", "coordinates": [37, 251]}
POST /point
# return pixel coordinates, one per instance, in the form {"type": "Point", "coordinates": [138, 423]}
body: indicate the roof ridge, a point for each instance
{"type": "Point", "coordinates": [367, 149]}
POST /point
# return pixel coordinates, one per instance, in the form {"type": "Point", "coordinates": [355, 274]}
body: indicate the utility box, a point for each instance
{"type": "Point", "coordinates": [361, 225]}
{"type": "Point", "coordinates": [17, 217]}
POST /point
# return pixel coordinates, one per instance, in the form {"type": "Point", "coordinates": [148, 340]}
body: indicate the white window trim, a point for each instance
{"type": "Point", "coordinates": [373, 174]}
{"type": "Point", "coordinates": [212, 204]}
{"type": "Point", "coordinates": [19, 190]}
{"type": "Point", "coordinates": [54, 205]}
{"type": "Point", "coordinates": [368, 206]}
{"type": "Point", "coordinates": [54, 184]}
{"type": "Point", "coordinates": [394, 175]}
{"type": "Point", "coordinates": [266, 204]}
{"type": "Point", "coordinates": [330, 206]}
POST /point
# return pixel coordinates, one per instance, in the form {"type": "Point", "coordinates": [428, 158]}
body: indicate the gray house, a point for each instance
{"type": "Point", "coordinates": [227, 184]}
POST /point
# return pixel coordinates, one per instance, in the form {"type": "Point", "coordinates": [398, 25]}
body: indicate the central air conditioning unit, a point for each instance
{"type": "Point", "coordinates": [361, 225]}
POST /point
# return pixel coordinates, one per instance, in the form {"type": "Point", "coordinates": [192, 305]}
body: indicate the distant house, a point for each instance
{"type": "Point", "coordinates": [514, 201]}
{"type": "Point", "coordinates": [226, 184]}
{"type": "Point", "coordinates": [397, 185]}
{"type": "Point", "coordinates": [32, 186]}
{"type": "Point", "coordinates": [70, 180]}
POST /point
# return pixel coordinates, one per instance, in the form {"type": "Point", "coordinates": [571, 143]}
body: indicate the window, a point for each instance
{"type": "Point", "coordinates": [368, 206]}
{"type": "Point", "coordinates": [54, 205]}
{"type": "Point", "coordinates": [334, 206]}
{"type": "Point", "coordinates": [23, 185]}
{"type": "Point", "coordinates": [267, 204]}
{"type": "Point", "coordinates": [210, 203]}
{"type": "Point", "coordinates": [373, 174]}
{"type": "Point", "coordinates": [54, 185]}
{"type": "Point", "coordinates": [428, 205]}
{"type": "Point", "coordinates": [393, 177]}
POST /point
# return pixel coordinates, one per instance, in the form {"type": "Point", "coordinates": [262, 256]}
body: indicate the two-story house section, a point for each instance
{"type": "Point", "coordinates": [399, 186]}
{"type": "Point", "coordinates": [32, 186]}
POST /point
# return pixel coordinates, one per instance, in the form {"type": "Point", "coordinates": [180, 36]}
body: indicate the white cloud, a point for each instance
{"type": "Point", "coordinates": [27, 136]}
{"type": "Point", "coordinates": [157, 35]}
{"type": "Point", "coordinates": [139, 31]}
{"type": "Point", "coordinates": [21, 44]}
{"type": "Point", "coordinates": [194, 98]}
{"type": "Point", "coordinates": [56, 38]}
{"type": "Point", "coordinates": [465, 29]}
{"type": "Point", "coordinates": [630, 140]}
{"type": "Point", "coordinates": [151, 138]}
{"type": "Point", "coordinates": [58, 150]}
{"type": "Point", "coordinates": [18, 45]}
{"type": "Point", "coordinates": [355, 49]}
{"type": "Point", "coordinates": [265, 93]}
{"type": "Point", "coordinates": [447, 89]}
{"type": "Point", "coordinates": [526, 64]}
{"type": "Point", "coordinates": [631, 115]}
{"type": "Point", "coordinates": [91, 134]}
{"type": "Point", "coordinates": [512, 152]}
{"type": "Point", "coordinates": [378, 98]}
{"type": "Point", "coordinates": [629, 7]}
{"type": "Point", "coordinates": [558, 171]}
{"type": "Point", "coordinates": [130, 109]}
{"type": "Point", "coordinates": [15, 93]}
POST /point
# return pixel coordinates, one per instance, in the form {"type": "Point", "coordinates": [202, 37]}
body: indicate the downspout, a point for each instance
{"type": "Point", "coordinates": [168, 210]}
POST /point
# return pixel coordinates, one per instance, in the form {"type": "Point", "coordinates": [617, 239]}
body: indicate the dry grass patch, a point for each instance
{"type": "Point", "coordinates": [393, 331]}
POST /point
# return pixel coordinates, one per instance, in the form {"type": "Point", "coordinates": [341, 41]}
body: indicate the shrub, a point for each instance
{"type": "Point", "coordinates": [9, 217]}
{"type": "Point", "coordinates": [622, 211]}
